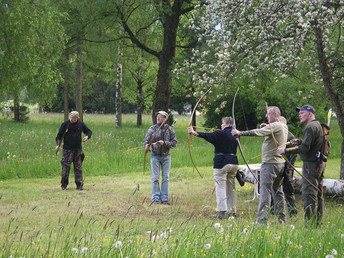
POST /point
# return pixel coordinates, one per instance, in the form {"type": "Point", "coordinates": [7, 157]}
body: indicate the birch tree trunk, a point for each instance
{"type": "Point", "coordinates": [139, 97]}
{"type": "Point", "coordinates": [118, 107]}
{"type": "Point", "coordinates": [16, 108]}
{"type": "Point", "coordinates": [331, 187]}
{"type": "Point", "coordinates": [78, 95]}
{"type": "Point", "coordinates": [66, 90]}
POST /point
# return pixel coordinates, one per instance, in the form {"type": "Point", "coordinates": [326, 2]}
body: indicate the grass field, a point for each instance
{"type": "Point", "coordinates": [113, 217]}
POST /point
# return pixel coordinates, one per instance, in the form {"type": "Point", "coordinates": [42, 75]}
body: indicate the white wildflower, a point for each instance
{"type": "Point", "coordinates": [169, 230]}
{"type": "Point", "coordinates": [276, 236]}
{"type": "Point", "coordinates": [84, 250]}
{"type": "Point", "coordinates": [149, 232]}
{"type": "Point", "coordinates": [334, 252]}
{"type": "Point", "coordinates": [289, 242]}
{"type": "Point", "coordinates": [292, 227]}
{"type": "Point", "coordinates": [75, 250]}
{"type": "Point", "coordinates": [163, 234]}
{"type": "Point", "coordinates": [118, 244]}
{"type": "Point", "coordinates": [217, 225]}
{"type": "Point", "coordinates": [342, 236]}
{"type": "Point", "coordinates": [329, 256]}
{"type": "Point", "coordinates": [231, 218]}
{"type": "Point", "coordinates": [221, 230]}
{"type": "Point", "coordinates": [207, 246]}
{"type": "Point", "coordinates": [130, 242]}
{"type": "Point", "coordinates": [14, 156]}
{"type": "Point", "coordinates": [154, 238]}
{"type": "Point", "coordinates": [245, 230]}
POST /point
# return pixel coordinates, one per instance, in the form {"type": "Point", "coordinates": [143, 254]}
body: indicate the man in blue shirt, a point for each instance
{"type": "Point", "coordinates": [225, 167]}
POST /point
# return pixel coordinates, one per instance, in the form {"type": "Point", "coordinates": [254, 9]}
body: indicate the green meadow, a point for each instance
{"type": "Point", "coordinates": [113, 216]}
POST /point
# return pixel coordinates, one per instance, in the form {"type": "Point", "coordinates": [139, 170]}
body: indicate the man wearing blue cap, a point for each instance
{"type": "Point", "coordinates": [313, 167]}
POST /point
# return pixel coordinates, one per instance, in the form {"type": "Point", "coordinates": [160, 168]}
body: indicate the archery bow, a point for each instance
{"type": "Point", "coordinates": [283, 156]}
{"type": "Point", "coordinates": [237, 138]}
{"type": "Point", "coordinates": [190, 124]}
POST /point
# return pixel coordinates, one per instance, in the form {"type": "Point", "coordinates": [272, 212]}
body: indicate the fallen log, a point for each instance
{"type": "Point", "coordinates": [331, 187]}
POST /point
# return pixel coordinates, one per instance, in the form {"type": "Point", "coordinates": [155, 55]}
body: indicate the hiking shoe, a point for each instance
{"type": "Point", "coordinates": [165, 203]}
{"type": "Point", "coordinates": [240, 177]}
{"type": "Point", "coordinates": [219, 215]}
{"type": "Point", "coordinates": [292, 212]}
{"type": "Point", "coordinates": [80, 187]}
{"type": "Point", "coordinates": [63, 187]}
{"type": "Point", "coordinates": [155, 202]}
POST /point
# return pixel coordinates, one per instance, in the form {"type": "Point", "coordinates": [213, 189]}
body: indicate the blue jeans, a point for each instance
{"type": "Point", "coordinates": [165, 164]}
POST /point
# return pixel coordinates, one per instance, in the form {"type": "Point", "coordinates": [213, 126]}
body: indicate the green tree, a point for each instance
{"type": "Point", "coordinates": [160, 20]}
{"type": "Point", "coordinates": [31, 42]}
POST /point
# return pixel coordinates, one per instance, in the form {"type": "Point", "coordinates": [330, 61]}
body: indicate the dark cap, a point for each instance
{"type": "Point", "coordinates": [306, 108]}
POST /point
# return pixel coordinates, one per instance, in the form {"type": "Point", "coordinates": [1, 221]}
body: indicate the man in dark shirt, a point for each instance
{"type": "Point", "coordinates": [225, 167]}
{"type": "Point", "coordinates": [313, 168]}
{"type": "Point", "coordinates": [70, 132]}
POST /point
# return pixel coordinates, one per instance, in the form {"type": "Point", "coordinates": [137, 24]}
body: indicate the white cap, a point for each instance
{"type": "Point", "coordinates": [163, 113]}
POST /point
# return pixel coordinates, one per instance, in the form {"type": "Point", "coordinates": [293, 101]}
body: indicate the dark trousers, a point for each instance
{"type": "Point", "coordinates": [69, 157]}
{"type": "Point", "coordinates": [312, 198]}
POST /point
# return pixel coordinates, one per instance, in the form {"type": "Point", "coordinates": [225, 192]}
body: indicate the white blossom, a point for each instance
{"type": "Point", "coordinates": [84, 250]}
{"type": "Point", "coordinates": [75, 250]}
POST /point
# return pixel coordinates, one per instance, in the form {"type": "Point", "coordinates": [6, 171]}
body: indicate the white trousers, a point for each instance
{"type": "Point", "coordinates": [225, 188]}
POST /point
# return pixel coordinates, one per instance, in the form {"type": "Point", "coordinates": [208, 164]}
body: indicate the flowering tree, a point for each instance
{"type": "Point", "coordinates": [276, 36]}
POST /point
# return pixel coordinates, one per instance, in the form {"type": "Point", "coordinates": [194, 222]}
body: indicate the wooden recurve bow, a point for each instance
{"type": "Point", "coordinates": [237, 139]}
{"type": "Point", "coordinates": [283, 156]}
{"type": "Point", "coordinates": [190, 124]}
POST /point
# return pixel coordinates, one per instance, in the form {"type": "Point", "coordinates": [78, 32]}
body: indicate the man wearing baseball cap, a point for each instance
{"type": "Point", "coordinates": [313, 167]}
{"type": "Point", "coordinates": [70, 133]}
{"type": "Point", "coordinates": [160, 138]}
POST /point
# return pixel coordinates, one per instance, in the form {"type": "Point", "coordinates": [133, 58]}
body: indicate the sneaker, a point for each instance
{"type": "Point", "coordinates": [80, 187]}
{"type": "Point", "coordinates": [155, 202]}
{"type": "Point", "coordinates": [165, 203]}
{"type": "Point", "coordinates": [219, 215]}
{"type": "Point", "coordinates": [63, 187]}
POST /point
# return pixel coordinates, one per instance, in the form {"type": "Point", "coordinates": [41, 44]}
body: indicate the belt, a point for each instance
{"type": "Point", "coordinates": [220, 153]}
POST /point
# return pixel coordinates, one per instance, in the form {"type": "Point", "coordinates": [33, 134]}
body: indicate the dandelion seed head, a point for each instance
{"type": "Point", "coordinates": [118, 244]}
{"type": "Point", "coordinates": [207, 246]}
{"type": "Point", "coordinates": [217, 225]}
{"type": "Point", "coordinates": [231, 218]}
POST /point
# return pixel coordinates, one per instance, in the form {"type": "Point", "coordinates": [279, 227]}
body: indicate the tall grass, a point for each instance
{"type": "Point", "coordinates": [28, 150]}
{"type": "Point", "coordinates": [111, 219]}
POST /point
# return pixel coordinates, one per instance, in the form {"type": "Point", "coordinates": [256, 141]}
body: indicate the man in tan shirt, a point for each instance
{"type": "Point", "coordinates": [272, 164]}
